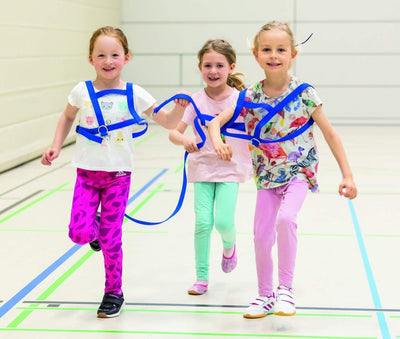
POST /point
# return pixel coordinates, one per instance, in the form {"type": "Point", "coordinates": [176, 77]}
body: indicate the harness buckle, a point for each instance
{"type": "Point", "coordinates": [103, 130]}
{"type": "Point", "coordinates": [255, 142]}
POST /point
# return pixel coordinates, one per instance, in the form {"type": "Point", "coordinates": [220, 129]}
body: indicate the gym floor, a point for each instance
{"type": "Point", "coordinates": [346, 279]}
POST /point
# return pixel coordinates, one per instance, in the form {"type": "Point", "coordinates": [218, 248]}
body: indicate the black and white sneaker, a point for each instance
{"type": "Point", "coordinates": [111, 305]}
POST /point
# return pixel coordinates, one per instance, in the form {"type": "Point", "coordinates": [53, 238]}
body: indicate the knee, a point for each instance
{"type": "Point", "coordinates": [81, 237]}
{"type": "Point", "coordinates": [224, 226]}
{"type": "Point", "coordinates": [286, 222]}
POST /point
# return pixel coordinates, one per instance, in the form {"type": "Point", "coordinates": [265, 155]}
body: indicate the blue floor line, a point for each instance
{"type": "Point", "coordinates": [35, 282]}
{"type": "Point", "coordinates": [368, 270]}
{"type": "Point", "coordinates": [7, 306]}
{"type": "Point", "coordinates": [146, 186]}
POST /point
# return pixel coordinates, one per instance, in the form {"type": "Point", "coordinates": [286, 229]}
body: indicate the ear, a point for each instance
{"type": "Point", "coordinates": [231, 68]}
{"type": "Point", "coordinates": [90, 60]}
{"type": "Point", "coordinates": [127, 58]}
{"type": "Point", "coordinates": [255, 53]}
{"type": "Point", "coordinates": [294, 54]}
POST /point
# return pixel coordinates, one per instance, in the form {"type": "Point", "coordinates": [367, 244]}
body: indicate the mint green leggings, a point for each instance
{"type": "Point", "coordinates": [210, 196]}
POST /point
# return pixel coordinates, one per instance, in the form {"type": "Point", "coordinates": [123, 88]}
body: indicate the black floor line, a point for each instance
{"type": "Point", "coordinates": [35, 178]}
{"type": "Point", "coordinates": [310, 308]}
{"type": "Point", "coordinates": [20, 201]}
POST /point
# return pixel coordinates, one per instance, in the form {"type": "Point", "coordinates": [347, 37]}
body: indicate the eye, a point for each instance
{"type": "Point", "coordinates": [220, 66]}
{"type": "Point", "coordinates": [266, 49]}
{"type": "Point", "coordinates": [281, 50]}
{"type": "Point", "coordinates": [115, 55]}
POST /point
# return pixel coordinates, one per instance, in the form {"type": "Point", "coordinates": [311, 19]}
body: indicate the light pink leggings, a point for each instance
{"type": "Point", "coordinates": [275, 220]}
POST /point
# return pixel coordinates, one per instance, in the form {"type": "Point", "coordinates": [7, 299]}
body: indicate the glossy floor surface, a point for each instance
{"type": "Point", "coordinates": [347, 272]}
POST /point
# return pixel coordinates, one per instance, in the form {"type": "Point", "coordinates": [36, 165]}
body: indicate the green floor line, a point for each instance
{"type": "Point", "coordinates": [209, 334]}
{"type": "Point", "coordinates": [143, 202]}
{"type": "Point", "coordinates": [19, 319]}
{"type": "Point", "coordinates": [33, 202]}
{"type": "Point", "coordinates": [147, 137]}
{"type": "Point", "coordinates": [66, 231]}
{"type": "Point", "coordinates": [37, 307]}
{"type": "Point", "coordinates": [308, 234]}
{"type": "Point", "coordinates": [31, 230]}
{"type": "Point", "coordinates": [325, 235]}
{"type": "Point", "coordinates": [179, 168]}
{"type": "Point", "coordinates": [383, 235]}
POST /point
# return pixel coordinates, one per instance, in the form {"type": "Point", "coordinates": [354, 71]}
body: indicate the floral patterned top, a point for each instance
{"type": "Point", "coordinates": [276, 164]}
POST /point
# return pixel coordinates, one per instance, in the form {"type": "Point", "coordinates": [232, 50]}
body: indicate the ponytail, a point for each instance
{"type": "Point", "coordinates": [235, 81]}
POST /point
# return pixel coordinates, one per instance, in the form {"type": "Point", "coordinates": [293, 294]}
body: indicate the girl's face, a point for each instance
{"type": "Point", "coordinates": [215, 69]}
{"type": "Point", "coordinates": [274, 53]}
{"type": "Point", "coordinates": [108, 57]}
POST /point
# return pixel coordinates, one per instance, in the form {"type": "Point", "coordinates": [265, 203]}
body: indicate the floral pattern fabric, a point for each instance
{"type": "Point", "coordinates": [276, 164]}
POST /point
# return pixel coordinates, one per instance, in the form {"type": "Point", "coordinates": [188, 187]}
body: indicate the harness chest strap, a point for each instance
{"type": "Point", "coordinates": [272, 111]}
{"type": "Point", "coordinates": [98, 133]}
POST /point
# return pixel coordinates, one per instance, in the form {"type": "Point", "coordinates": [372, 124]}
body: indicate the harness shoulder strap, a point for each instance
{"type": "Point", "coordinates": [131, 107]}
{"type": "Point", "coordinates": [103, 129]}
{"type": "Point", "coordinates": [96, 106]}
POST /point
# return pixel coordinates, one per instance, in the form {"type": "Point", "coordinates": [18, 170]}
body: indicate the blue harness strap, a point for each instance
{"type": "Point", "coordinates": [98, 133]}
{"type": "Point", "coordinates": [272, 111]}
{"type": "Point", "coordinates": [178, 205]}
{"type": "Point", "coordinates": [201, 120]}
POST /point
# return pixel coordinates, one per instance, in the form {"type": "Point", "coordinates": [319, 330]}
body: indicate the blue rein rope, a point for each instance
{"type": "Point", "coordinates": [201, 119]}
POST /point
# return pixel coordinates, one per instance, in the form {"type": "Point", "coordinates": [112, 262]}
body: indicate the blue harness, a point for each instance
{"type": "Point", "coordinates": [200, 120]}
{"type": "Point", "coordinates": [98, 133]}
{"type": "Point", "coordinates": [272, 111]}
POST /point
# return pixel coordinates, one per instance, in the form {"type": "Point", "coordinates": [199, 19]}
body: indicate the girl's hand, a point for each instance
{"type": "Point", "coordinates": [224, 151]}
{"type": "Point", "coordinates": [348, 189]}
{"type": "Point", "coordinates": [190, 145]}
{"type": "Point", "coordinates": [49, 155]}
{"type": "Point", "coordinates": [182, 102]}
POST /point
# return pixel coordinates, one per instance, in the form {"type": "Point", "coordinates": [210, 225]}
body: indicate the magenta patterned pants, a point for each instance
{"type": "Point", "coordinates": [111, 190]}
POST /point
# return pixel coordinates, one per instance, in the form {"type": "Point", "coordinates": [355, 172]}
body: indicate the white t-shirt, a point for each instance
{"type": "Point", "coordinates": [205, 164]}
{"type": "Point", "coordinates": [115, 153]}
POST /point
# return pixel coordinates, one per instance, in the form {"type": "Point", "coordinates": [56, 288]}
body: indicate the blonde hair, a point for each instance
{"type": "Point", "coordinates": [283, 26]}
{"type": "Point", "coordinates": [223, 47]}
{"type": "Point", "coordinates": [112, 32]}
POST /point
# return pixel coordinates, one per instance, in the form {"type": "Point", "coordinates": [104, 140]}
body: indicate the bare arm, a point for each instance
{"type": "Point", "coordinates": [169, 119]}
{"type": "Point", "coordinates": [224, 151]}
{"type": "Point", "coordinates": [177, 137]}
{"type": "Point", "coordinates": [347, 187]}
{"type": "Point", "coordinates": [64, 125]}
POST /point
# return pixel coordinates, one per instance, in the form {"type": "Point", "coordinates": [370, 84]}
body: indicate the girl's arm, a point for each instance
{"type": "Point", "coordinates": [177, 137]}
{"type": "Point", "coordinates": [224, 151]}
{"type": "Point", "coordinates": [347, 187]}
{"type": "Point", "coordinates": [64, 125]}
{"type": "Point", "coordinates": [169, 119]}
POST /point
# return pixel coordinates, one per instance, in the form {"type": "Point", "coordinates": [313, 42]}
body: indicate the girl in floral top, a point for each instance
{"type": "Point", "coordinates": [283, 170]}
